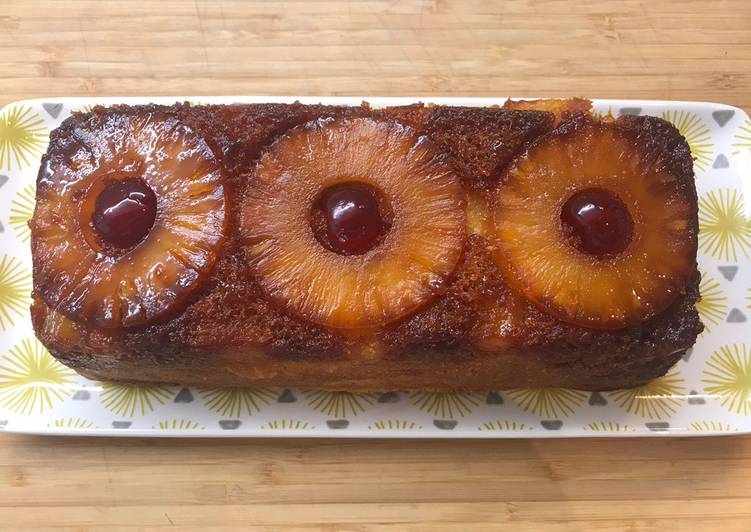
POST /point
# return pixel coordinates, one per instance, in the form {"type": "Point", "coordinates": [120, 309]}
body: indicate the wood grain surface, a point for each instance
{"type": "Point", "coordinates": [689, 49]}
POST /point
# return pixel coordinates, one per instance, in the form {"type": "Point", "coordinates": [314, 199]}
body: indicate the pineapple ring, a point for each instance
{"type": "Point", "coordinates": [537, 258]}
{"type": "Point", "coordinates": [405, 271]}
{"type": "Point", "coordinates": [75, 274]}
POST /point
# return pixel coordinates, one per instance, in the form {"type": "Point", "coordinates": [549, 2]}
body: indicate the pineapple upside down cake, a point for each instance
{"type": "Point", "coordinates": [415, 247]}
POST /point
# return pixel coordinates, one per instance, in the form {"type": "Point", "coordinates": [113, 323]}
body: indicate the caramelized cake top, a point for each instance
{"type": "Point", "coordinates": [473, 308]}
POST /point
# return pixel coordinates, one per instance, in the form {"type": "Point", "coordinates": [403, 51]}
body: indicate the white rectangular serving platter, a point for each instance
{"type": "Point", "coordinates": [707, 393]}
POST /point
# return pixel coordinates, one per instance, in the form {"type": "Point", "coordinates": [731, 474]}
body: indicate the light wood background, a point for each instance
{"type": "Point", "coordinates": [688, 49]}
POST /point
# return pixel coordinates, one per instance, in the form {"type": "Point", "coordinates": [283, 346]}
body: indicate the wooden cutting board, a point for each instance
{"type": "Point", "coordinates": [687, 50]}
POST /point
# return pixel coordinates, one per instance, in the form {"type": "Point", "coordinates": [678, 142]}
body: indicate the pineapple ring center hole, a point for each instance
{"type": "Point", "coordinates": [597, 222]}
{"type": "Point", "coordinates": [351, 218]}
{"type": "Point", "coordinates": [124, 212]}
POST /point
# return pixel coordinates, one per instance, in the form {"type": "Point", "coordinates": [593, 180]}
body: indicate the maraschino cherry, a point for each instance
{"type": "Point", "coordinates": [353, 219]}
{"type": "Point", "coordinates": [124, 212]}
{"type": "Point", "coordinates": [599, 222]}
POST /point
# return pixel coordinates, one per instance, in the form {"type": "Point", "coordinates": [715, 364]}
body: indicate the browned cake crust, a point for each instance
{"type": "Point", "coordinates": [478, 334]}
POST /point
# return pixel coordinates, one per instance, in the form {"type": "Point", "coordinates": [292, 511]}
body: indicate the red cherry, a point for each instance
{"type": "Point", "coordinates": [353, 219]}
{"type": "Point", "coordinates": [124, 212]}
{"type": "Point", "coordinates": [599, 222]}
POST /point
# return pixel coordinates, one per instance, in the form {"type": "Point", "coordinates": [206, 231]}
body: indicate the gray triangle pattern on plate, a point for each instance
{"type": "Point", "coordinates": [53, 109]}
{"type": "Point", "coordinates": [3, 423]}
{"type": "Point", "coordinates": [494, 398]}
{"type": "Point", "coordinates": [121, 424]}
{"type": "Point", "coordinates": [721, 162]}
{"type": "Point", "coordinates": [184, 396]}
{"type": "Point", "coordinates": [286, 397]}
{"type": "Point", "coordinates": [551, 424]}
{"type": "Point", "coordinates": [728, 272]}
{"type": "Point", "coordinates": [445, 424]}
{"type": "Point", "coordinates": [723, 116]}
{"type": "Point", "coordinates": [3, 180]}
{"type": "Point", "coordinates": [687, 354]}
{"type": "Point", "coordinates": [389, 397]}
{"type": "Point", "coordinates": [736, 316]}
{"type": "Point", "coordinates": [695, 399]}
{"type": "Point", "coordinates": [2, 227]}
{"type": "Point", "coordinates": [629, 111]}
{"type": "Point", "coordinates": [337, 423]}
{"type": "Point", "coordinates": [81, 395]}
{"type": "Point", "coordinates": [230, 424]}
{"type": "Point", "coordinates": [658, 426]}
{"type": "Point", "coordinates": [597, 399]}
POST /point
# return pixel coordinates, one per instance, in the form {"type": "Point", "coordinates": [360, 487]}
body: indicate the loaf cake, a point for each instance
{"type": "Point", "coordinates": [417, 247]}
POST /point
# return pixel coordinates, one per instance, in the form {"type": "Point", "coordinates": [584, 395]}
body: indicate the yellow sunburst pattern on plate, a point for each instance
{"type": "Point", "coordinates": [178, 424]}
{"type": "Point", "coordinates": [21, 210]}
{"type": "Point", "coordinates": [712, 307]}
{"type": "Point", "coordinates": [711, 426]}
{"type": "Point", "coordinates": [133, 399]}
{"type": "Point", "coordinates": [446, 405]}
{"type": "Point", "coordinates": [394, 424]}
{"type": "Point", "coordinates": [504, 426]}
{"type": "Point", "coordinates": [15, 291]}
{"type": "Point", "coordinates": [287, 424]}
{"type": "Point", "coordinates": [72, 423]}
{"type": "Point", "coordinates": [657, 399]}
{"type": "Point", "coordinates": [697, 135]}
{"type": "Point", "coordinates": [608, 426]}
{"type": "Point", "coordinates": [31, 381]}
{"type": "Point", "coordinates": [548, 402]}
{"type": "Point", "coordinates": [742, 139]}
{"type": "Point", "coordinates": [234, 402]}
{"type": "Point", "coordinates": [338, 404]}
{"type": "Point", "coordinates": [728, 377]}
{"type": "Point", "coordinates": [22, 137]}
{"type": "Point", "coordinates": [724, 230]}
